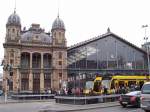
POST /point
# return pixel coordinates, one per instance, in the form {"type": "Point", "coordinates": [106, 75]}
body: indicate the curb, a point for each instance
{"type": "Point", "coordinates": [81, 109]}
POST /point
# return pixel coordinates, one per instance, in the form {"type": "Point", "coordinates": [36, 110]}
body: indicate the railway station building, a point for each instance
{"type": "Point", "coordinates": [34, 60]}
{"type": "Point", "coordinates": [105, 55]}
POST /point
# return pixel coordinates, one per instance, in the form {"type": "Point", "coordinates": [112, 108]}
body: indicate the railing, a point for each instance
{"type": "Point", "coordinates": [86, 99]}
{"type": "Point", "coordinates": [32, 96]}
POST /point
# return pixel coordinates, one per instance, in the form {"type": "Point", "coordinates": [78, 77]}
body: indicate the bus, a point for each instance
{"type": "Point", "coordinates": [114, 82]}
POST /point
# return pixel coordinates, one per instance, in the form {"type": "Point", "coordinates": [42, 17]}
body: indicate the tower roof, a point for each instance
{"type": "Point", "coordinates": [14, 19]}
{"type": "Point", "coordinates": [58, 24]}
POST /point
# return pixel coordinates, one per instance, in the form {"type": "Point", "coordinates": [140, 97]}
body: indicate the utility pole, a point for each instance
{"type": "Point", "coordinates": [147, 49]}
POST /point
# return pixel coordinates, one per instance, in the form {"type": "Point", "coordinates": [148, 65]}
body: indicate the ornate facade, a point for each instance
{"type": "Point", "coordinates": [34, 60]}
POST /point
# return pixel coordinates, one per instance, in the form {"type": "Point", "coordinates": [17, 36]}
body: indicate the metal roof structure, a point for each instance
{"type": "Point", "coordinates": [109, 33]}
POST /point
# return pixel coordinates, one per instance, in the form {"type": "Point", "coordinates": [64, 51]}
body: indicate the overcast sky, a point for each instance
{"type": "Point", "coordinates": [83, 19]}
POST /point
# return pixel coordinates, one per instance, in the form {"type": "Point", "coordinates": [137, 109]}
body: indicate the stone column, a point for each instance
{"type": "Point", "coordinates": [42, 75]}
{"type": "Point", "coordinates": [30, 75]}
{"type": "Point", "coordinates": [18, 80]}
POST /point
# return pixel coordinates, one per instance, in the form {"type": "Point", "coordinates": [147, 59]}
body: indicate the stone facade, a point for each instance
{"type": "Point", "coordinates": [34, 61]}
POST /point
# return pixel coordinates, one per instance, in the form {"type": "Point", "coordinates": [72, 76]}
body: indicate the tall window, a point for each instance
{"type": "Point", "coordinates": [36, 60]}
{"type": "Point", "coordinates": [47, 60]}
{"type": "Point", "coordinates": [25, 60]}
{"type": "Point", "coordinates": [60, 55]}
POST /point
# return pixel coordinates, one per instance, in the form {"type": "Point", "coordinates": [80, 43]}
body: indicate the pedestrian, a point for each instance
{"type": "Point", "coordinates": [105, 90]}
{"type": "Point", "coordinates": [69, 91]}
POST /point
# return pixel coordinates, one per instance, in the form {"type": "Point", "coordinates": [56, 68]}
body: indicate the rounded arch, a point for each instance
{"type": "Point", "coordinates": [25, 60]}
{"type": "Point", "coordinates": [47, 60]}
{"type": "Point", "coordinates": [36, 60]}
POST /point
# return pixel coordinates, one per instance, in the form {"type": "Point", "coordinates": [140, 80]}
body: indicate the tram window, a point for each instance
{"type": "Point", "coordinates": [141, 84]}
{"type": "Point", "coordinates": [106, 83]}
{"type": "Point", "coordinates": [89, 85]}
{"type": "Point", "coordinates": [131, 83]}
{"type": "Point", "coordinates": [112, 84]}
{"type": "Point", "coordinates": [121, 83]}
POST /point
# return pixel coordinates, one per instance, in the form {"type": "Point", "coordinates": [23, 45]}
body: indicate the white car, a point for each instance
{"type": "Point", "coordinates": [145, 97]}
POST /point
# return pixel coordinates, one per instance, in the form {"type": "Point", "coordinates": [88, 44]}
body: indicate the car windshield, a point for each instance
{"type": "Point", "coordinates": [146, 89]}
{"type": "Point", "coordinates": [134, 93]}
{"type": "Point", "coordinates": [1, 91]}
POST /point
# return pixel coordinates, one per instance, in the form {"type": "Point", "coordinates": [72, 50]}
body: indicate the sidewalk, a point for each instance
{"type": "Point", "coordinates": [55, 107]}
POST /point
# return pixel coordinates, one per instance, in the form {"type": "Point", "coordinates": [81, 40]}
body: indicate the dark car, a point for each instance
{"type": "Point", "coordinates": [131, 98]}
{"type": "Point", "coordinates": [1, 92]}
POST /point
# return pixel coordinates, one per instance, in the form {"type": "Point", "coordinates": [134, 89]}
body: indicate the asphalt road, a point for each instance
{"type": "Point", "coordinates": [23, 107]}
{"type": "Point", "coordinates": [114, 109]}
{"type": "Point", "coordinates": [36, 106]}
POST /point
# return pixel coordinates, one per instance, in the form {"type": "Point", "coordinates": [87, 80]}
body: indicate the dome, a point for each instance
{"type": "Point", "coordinates": [36, 34]}
{"type": "Point", "coordinates": [14, 19]}
{"type": "Point", "coordinates": [58, 24]}
{"type": "Point", "coordinates": [34, 37]}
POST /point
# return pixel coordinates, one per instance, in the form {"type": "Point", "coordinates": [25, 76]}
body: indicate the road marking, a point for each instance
{"type": "Point", "coordinates": [137, 110]}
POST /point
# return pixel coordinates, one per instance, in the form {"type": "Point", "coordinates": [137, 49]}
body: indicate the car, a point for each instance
{"type": "Point", "coordinates": [1, 92]}
{"type": "Point", "coordinates": [131, 98]}
{"type": "Point", "coordinates": [145, 97]}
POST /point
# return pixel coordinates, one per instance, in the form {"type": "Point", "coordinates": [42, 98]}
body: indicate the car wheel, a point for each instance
{"type": "Point", "coordinates": [124, 105]}
{"type": "Point", "coordinates": [146, 110]}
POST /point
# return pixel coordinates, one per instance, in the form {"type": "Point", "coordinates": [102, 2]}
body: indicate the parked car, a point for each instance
{"type": "Point", "coordinates": [145, 97]}
{"type": "Point", "coordinates": [131, 98]}
{"type": "Point", "coordinates": [1, 92]}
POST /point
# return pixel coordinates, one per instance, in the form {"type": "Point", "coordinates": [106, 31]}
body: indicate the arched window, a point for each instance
{"type": "Point", "coordinates": [13, 30]}
{"type": "Point", "coordinates": [60, 63]}
{"type": "Point", "coordinates": [55, 34]}
{"type": "Point", "coordinates": [12, 54]}
{"type": "Point", "coordinates": [17, 32]}
{"type": "Point", "coordinates": [8, 32]}
{"type": "Point", "coordinates": [59, 34]}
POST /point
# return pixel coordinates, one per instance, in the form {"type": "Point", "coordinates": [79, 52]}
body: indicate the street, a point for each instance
{"type": "Point", "coordinates": [23, 107]}
{"type": "Point", "coordinates": [114, 109]}
{"type": "Point", "coordinates": [37, 106]}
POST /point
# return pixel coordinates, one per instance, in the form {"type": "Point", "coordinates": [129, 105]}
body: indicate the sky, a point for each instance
{"type": "Point", "coordinates": [84, 19]}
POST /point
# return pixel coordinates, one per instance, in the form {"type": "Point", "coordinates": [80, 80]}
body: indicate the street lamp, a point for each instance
{"type": "Point", "coordinates": [147, 49]}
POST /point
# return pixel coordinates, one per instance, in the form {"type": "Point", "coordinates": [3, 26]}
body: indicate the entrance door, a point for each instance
{"type": "Point", "coordinates": [36, 83]}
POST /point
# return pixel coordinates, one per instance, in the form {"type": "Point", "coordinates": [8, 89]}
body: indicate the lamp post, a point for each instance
{"type": "Point", "coordinates": [147, 50]}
